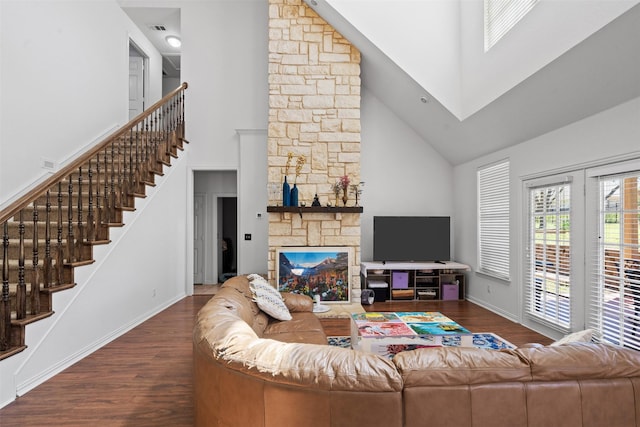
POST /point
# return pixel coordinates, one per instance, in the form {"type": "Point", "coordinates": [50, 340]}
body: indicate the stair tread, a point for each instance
{"type": "Point", "coordinates": [12, 351]}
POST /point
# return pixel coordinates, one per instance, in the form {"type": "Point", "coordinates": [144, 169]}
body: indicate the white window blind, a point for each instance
{"type": "Point", "coordinates": [493, 220]}
{"type": "Point", "coordinates": [614, 290]}
{"type": "Point", "coordinates": [500, 16]}
{"type": "Point", "coordinates": [548, 255]}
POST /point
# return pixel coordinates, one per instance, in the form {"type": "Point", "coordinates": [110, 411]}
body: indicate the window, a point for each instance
{"type": "Point", "coordinates": [493, 220]}
{"type": "Point", "coordinates": [548, 254]}
{"type": "Point", "coordinates": [614, 299]}
{"type": "Point", "coordinates": [502, 15]}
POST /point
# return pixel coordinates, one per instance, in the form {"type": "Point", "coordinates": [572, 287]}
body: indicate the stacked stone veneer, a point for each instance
{"type": "Point", "coordinates": [314, 111]}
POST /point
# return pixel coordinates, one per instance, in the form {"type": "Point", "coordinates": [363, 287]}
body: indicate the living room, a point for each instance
{"type": "Point", "coordinates": [225, 59]}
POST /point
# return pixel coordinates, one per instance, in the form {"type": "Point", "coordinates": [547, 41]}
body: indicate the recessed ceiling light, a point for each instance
{"type": "Point", "coordinates": [173, 41]}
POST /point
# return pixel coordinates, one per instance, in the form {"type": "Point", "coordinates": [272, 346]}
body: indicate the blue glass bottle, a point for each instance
{"type": "Point", "coordinates": [286, 193]}
{"type": "Point", "coordinates": [293, 200]}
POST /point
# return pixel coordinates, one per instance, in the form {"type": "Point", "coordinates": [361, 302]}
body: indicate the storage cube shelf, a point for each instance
{"type": "Point", "coordinates": [414, 281]}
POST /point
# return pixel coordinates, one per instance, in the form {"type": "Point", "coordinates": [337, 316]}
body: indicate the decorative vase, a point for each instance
{"type": "Point", "coordinates": [286, 193]}
{"type": "Point", "coordinates": [345, 197]}
{"type": "Point", "coordinates": [293, 200]}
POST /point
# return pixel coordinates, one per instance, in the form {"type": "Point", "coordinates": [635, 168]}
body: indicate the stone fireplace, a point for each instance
{"type": "Point", "coordinates": [314, 114]}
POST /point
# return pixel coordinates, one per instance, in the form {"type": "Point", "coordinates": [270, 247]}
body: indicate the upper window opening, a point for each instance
{"type": "Point", "coordinates": [502, 15]}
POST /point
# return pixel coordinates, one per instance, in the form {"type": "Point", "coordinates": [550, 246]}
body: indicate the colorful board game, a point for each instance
{"type": "Point", "coordinates": [406, 324]}
{"type": "Point", "coordinates": [388, 333]}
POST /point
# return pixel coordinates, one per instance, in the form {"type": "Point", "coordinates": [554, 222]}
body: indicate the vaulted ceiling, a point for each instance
{"type": "Point", "coordinates": [596, 74]}
{"type": "Point", "coordinates": [600, 72]}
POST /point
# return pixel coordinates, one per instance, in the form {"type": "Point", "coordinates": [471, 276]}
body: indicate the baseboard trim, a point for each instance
{"type": "Point", "coordinates": [29, 384]}
{"type": "Point", "coordinates": [496, 310]}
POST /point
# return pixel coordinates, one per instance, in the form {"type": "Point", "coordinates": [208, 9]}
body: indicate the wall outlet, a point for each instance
{"type": "Point", "coordinates": [488, 289]}
{"type": "Point", "coordinates": [154, 293]}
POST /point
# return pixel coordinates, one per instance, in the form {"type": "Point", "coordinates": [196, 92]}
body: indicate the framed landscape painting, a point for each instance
{"type": "Point", "coordinates": [315, 271]}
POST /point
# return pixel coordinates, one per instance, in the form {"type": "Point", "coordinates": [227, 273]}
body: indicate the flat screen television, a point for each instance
{"type": "Point", "coordinates": [411, 238]}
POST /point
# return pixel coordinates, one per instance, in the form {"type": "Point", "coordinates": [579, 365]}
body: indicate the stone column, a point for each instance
{"type": "Point", "coordinates": [314, 113]}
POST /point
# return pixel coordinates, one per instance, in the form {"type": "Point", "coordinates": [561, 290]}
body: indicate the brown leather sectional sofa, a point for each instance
{"type": "Point", "coordinates": [251, 370]}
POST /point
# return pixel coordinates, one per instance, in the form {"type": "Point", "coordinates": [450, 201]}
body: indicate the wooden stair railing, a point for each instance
{"type": "Point", "coordinates": [59, 220]}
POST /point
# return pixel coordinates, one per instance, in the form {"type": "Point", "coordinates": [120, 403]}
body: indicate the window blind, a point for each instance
{"type": "Point", "coordinates": [500, 16]}
{"type": "Point", "coordinates": [548, 255]}
{"type": "Point", "coordinates": [614, 288]}
{"type": "Point", "coordinates": [493, 220]}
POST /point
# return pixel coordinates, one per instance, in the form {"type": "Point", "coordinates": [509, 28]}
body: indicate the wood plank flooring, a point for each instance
{"type": "Point", "coordinates": [144, 378]}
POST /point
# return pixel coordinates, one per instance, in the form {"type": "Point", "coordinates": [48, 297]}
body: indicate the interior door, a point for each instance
{"type": "Point", "coordinates": [199, 216]}
{"type": "Point", "coordinates": [136, 86]}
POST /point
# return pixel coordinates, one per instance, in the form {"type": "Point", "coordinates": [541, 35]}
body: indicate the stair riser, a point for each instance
{"type": "Point", "coordinates": [44, 301]}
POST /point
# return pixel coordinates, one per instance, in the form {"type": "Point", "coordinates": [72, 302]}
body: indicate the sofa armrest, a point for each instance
{"type": "Point", "coordinates": [297, 302]}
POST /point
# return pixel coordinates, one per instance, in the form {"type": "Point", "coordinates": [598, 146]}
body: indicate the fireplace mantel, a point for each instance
{"type": "Point", "coordinates": [316, 209]}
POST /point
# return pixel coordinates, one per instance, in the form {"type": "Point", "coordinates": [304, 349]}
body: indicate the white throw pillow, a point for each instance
{"type": "Point", "coordinates": [581, 336]}
{"type": "Point", "coordinates": [269, 299]}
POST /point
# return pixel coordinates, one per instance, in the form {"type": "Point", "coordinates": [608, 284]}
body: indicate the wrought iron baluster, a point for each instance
{"type": "Point", "coordinates": [70, 233]}
{"type": "Point", "coordinates": [113, 196]}
{"type": "Point", "coordinates": [35, 274]}
{"type": "Point", "coordinates": [60, 247]}
{"type": "Point", "coordinates": [98, 220]}
{"type": "Point", "coordinates": [122, 201]}
{"type": "Point", "coordinates": [80, 239]}
{"type": "Point", "coordinates": [91, 226]}
{"type": "Point", "coordinates": [46, 268]}
{"type": "Point", "coordinates": [5, 309]}
{"type": "Point", "coordinates": [21, 291]}
{"type": "Point", "coordinates": [106, 203]}
{"type": "Point", "coordinates": [138, 174]}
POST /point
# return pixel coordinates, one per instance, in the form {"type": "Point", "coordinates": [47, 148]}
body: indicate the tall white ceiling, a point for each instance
{"type": "Point", "coordinates": [567, 60]}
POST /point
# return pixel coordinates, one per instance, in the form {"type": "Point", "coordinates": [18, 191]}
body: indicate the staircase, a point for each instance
{"type": "Point", "coordinates": [52, 230]}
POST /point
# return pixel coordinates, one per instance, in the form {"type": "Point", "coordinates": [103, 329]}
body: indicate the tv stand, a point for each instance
{"type": "Point", "coordinates": [438, 280]}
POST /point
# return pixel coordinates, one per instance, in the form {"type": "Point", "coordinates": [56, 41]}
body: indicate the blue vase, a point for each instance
{"type": "Point", "coordinates": [293, 200]}
{"type": "Point", "coordinates": [286, 193]}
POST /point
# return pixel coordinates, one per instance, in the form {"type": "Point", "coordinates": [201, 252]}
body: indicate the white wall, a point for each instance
{"type": "Point", "coordinates": [64, 85]}
{"type": "Point", "coordinates": [141, 272]}
{"type": "Point", "coordinates": [224, 60]}
{"type": "Point", "coordinates": [550, 29]}
{"type": "Point", "coordinates": [440, 43]}
{"type": "Point", "coordinates": [422, 37]}
{"type": "Point", "coordinates": [612, 133]}
{"type": "Point", "coordinates": [403, 174]}
{"type": "Point", "coordinates": [58, 95]}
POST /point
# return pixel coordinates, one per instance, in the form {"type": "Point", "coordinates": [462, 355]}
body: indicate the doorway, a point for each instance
{"type": "Point", "coordinates": [215, 218]}
{"type": "Point", "coordinates": [227, 237]}
{"type": "Point", "coordinates": [137, 81]}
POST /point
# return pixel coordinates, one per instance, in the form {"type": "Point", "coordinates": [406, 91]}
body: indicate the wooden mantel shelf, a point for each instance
{"type": "Point", "coordinates": [316, 209]}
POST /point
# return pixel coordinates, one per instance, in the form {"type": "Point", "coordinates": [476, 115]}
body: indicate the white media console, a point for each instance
{"type": "Point", "coordinates": [414, 280]}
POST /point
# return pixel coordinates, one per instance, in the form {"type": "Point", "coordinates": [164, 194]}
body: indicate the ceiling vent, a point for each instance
{"type": "Point", "coordinates": [157, 28]}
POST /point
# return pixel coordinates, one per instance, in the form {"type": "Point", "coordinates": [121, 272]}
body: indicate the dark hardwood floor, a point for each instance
{"type": "Point", "coordinates": [144, 378]}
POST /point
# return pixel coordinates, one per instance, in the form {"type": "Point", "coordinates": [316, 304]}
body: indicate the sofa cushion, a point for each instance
{"type": "Point", "coordinates": [297, 302]}
{"type": "Point", "coordinates": [580, 336]}
{"type": "Point", "coordinates": [269, 299]}
{"type": "Point", "coordinates": [304, 327]}
{"type": "Point", "coordinates": [449, 366]}
{"type": "Point", "coordinates": [581, 361]}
